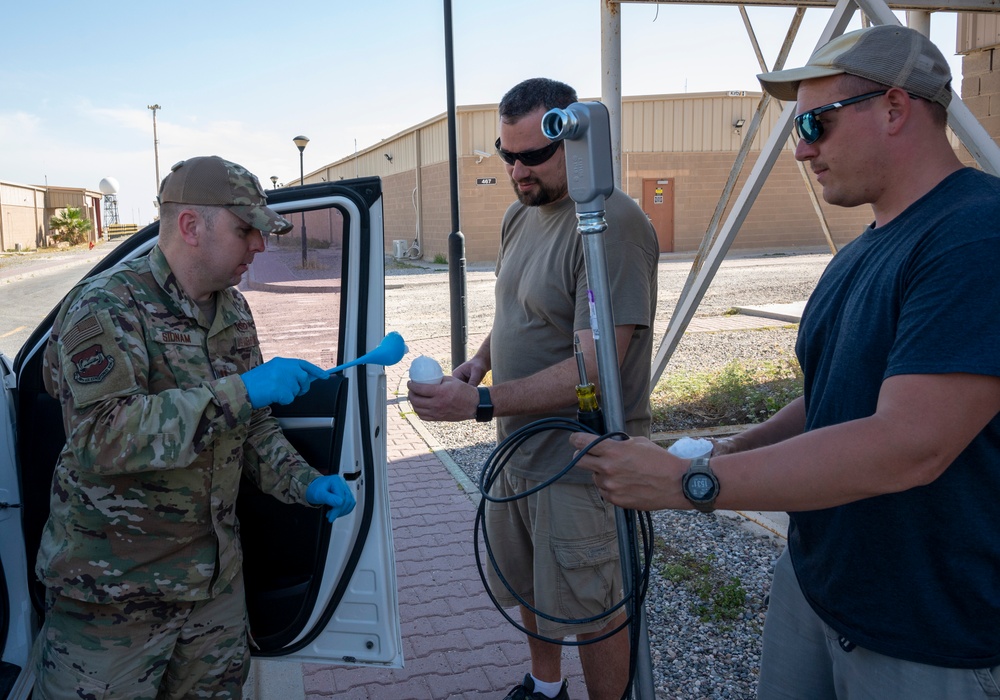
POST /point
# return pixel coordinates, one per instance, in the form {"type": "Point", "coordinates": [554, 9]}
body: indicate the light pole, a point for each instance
{"type": "Point", "coordinates": [300, 143]}
{"type": "Point", "coordinates": [274, 182]}
{"type": "Point", "coordinates": [156, 148]}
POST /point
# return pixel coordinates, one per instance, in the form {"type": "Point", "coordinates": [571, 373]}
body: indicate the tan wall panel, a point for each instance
{"type": "Point", "coordinates": [22, 209]}
{"type": "Point", "coordinates": [17, 195]}
{"type": "Point", "coordinates": [19, 227]}
{"type": "Point", "coordinates": [479, 131]}
{"type": "Point", "coordinates": [667, 124]}
{"type": "Point", "coordinates": [60, 199]}
{"type": "Point", "coordinates": [434, 142]}
{"type": "Point", "coordinates": [977, 31]}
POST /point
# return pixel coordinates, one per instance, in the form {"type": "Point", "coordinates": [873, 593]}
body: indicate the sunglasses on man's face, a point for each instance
{"type": "Point", "coordinates": [528, 158]}
{"type": "Point", "coordinates": [808, 124]}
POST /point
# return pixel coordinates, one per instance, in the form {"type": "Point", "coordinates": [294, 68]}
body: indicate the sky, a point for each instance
{"type": "Point", "coordinates": [242, 79]}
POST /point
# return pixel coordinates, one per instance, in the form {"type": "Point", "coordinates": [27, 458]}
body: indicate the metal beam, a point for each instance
{"type": "Point", "coordinates": [927, 5]}
{"type": "Point", "coordinates": [972, 134]}
{"type": "Point", "coordinates": [688, 303]}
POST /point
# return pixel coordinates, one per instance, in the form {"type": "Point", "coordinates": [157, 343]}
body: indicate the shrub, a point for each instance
{"type": "Point", "coordinates": [71, 226]}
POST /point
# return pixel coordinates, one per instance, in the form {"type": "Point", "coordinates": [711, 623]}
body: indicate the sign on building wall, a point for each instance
{"type": "Point", "coordinates": [486, 181]}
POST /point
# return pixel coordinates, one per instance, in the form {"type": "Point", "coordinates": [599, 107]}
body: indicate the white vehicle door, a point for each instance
{"type": "Point", "coordinates": [315, 592]}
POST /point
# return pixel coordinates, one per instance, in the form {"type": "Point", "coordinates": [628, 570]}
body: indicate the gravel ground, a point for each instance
{"type": "Point", "coordinates": [697, 655]}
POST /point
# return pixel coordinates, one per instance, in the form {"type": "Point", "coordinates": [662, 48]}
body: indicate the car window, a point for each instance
{"type": "Point", "coordinates": [297, 307]}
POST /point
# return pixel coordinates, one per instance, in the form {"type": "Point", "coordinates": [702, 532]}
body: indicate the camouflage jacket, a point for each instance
{"type": "Point", "coordinates": [159, 429]}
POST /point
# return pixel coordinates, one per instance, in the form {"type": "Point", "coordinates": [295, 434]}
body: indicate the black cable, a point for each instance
{"type": "Point", "coordinates": [635, 598]}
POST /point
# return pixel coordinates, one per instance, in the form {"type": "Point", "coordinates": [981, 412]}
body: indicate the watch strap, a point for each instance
{"type": "Point", "coordinates": [484, 411]}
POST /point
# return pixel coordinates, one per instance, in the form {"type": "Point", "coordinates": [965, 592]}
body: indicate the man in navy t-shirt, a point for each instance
{"type": "Point", "coordinates": [889, 465]}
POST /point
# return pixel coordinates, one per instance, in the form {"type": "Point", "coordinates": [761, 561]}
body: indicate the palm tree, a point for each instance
{"type": "Point", "coordinates": [70, 226]}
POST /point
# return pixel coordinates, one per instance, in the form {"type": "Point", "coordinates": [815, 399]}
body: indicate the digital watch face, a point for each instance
{"type": "Point", "coordinates": [700, 486]}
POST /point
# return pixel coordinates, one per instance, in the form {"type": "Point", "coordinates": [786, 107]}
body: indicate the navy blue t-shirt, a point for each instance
{"type": "Point", "coordinates": [913, 575]}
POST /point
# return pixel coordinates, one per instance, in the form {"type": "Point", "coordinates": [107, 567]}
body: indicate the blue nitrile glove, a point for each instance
{"type": "Point", "coordinates": [279, 380]}
{"type": "Point", "coordinates": [331, 491]}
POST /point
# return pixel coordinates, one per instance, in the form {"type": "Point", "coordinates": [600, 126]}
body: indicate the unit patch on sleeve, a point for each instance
{"type": "Point", "coordinates": [99, 367]}
{"type": "Point", "coordinates": [92, 364]}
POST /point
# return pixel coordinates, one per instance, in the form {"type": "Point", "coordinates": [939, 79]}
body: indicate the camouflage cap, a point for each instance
{"type": "Point", "coordinates": [212, 181]}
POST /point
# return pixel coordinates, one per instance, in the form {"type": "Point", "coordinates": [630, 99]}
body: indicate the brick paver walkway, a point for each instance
{"type": "Point", "coordinates": [455, 643]}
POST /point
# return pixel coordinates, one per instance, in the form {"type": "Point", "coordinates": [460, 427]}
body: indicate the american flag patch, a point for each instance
{"type": "Point", "coordinates": [84, 330]}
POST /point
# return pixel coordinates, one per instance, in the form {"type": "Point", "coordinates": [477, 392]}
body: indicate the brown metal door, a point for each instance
{"type": "Point", "coordinates": [658, 203]}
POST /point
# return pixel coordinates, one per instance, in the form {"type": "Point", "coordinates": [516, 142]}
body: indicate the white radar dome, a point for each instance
{"type": "Point", "coordinates": [108, 185]}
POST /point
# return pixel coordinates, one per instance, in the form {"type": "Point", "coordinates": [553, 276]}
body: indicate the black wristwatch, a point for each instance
{"type": "Point", "coordinates": [700, 486]}
{"type": "Point", "coordinates": [484, 411]}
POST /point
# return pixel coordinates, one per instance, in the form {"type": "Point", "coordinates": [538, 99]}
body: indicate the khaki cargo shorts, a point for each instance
{"type": "Point", "coordinates": [557, 549]}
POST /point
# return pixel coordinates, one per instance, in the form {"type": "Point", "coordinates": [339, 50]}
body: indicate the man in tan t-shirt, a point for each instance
{"type": "Point", "coordinates": [557, 548]}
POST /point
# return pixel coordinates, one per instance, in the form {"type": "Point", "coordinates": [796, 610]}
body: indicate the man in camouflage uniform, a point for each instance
{"type": "Point", "coordinates": [158, 368]}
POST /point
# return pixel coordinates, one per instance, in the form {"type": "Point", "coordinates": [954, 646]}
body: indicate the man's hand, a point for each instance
{"type": "Point", "coordinates": [331, 491]}
{"type": "Point", "coordinates": [451, 400]}
{"type": "Point", "coordinates": [634, 473]}
{"type": "Point", "coordinates": [279, 381]}
{"type": "Point", "coordinates": [471, 371]}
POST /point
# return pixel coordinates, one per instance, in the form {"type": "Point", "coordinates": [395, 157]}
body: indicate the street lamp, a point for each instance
{"type": "Point", "coordinates": [300, 143]}
{"type": "Point", "coordinates": [274, 182]}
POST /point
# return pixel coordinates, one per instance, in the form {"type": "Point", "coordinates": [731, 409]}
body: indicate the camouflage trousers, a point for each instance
{"type": "Point", "coordinates": [144, 650]}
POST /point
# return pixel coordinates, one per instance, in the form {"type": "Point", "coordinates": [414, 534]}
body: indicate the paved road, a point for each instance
{"type": "Point", "coordinates": [33, 284]}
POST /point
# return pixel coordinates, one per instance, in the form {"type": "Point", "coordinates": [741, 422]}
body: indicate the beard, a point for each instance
{"type": "Point", "coordinates": [544, 194]}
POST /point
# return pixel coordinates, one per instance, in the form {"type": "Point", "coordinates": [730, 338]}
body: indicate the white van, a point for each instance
{"type": "Point", "coordinates": [316, 592]}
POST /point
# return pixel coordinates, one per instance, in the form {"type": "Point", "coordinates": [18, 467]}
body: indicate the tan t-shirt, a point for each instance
{"type": "Point", "coordinates": [542, 299]}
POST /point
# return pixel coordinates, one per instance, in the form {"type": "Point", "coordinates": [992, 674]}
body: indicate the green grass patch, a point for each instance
{"type": "Point", "coordinates": [720, 599]}
{"type": "Point", "coordinates": [738, 393]}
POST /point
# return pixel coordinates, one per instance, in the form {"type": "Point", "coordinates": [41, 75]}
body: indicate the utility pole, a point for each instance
{"type": "Point", "coordinates": [156, 148]}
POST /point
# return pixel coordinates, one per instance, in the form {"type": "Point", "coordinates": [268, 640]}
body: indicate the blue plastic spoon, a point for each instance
{"type": "Point", "coordinates": [389, 352]}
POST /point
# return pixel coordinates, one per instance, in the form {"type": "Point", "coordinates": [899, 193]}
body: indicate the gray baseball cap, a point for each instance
{"type": "Point", "coordinates": [212, 181]}
{"type": "Point", "coordinates": [887, 54]}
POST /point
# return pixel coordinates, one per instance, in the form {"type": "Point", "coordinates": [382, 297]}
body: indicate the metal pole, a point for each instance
{"type": "Point", "coordinates": [611, 78]}
{"type": "Point", "coordinates": [302, 181]}
{"type": "Point", "coordinates": [456, 239]}
{"type": "Point", "coordinates": [156, 147]}
{"type": "Point", "coordinates": [590, 179]}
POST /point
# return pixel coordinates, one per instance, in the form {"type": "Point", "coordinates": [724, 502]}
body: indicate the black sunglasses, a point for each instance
{"type": "Point", "coordinates": [528, 158]}
{"type": "Point", "coordinates": [808, 124]}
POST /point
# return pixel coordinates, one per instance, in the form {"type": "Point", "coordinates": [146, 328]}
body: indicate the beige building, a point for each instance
{"type": "Point", "coordinates": [25, 211]}
{"type": "Point", "coordinates": [677, 153]}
